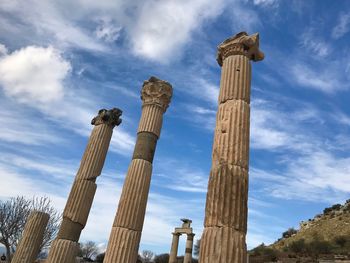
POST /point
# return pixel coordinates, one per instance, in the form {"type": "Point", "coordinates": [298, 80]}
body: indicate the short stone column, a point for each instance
{"type": "Point", "coordinates": [65, 248]}
{"type": "Point", "coordinates": [223, 239]}
{"type": "Point", "coordinates": [125, 236]}
{"type": "Point", "coordinates": [174, 248]}
{"type": "Point", "coordinates": [32, 238]}
{"type": "Point", "coordinates": [189, 248]}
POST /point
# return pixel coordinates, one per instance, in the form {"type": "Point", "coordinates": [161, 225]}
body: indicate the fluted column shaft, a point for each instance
{"type": "Point", "coordinates": [32, 238]}
{"type": "Point", "coordinates": [65, 248]}
{"type": "Point", "coordinates": [126, 231]}
{"type": "Point", "coordinates": [189, 248]}
{"type": "Point", "coordinates": [174, 248]}
{"type": "Point", "coordinates": [223, 239]}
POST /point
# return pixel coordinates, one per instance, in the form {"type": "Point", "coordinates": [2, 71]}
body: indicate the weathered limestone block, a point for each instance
{"type": "Point", "coordinates": [132, 206]}
{"type": "Point", "coordinates": [32, 238]}
{"type": "Point", "coordinates": [235, 79]}
{"type": "Point", "coordinates": [63, 251]}
{"type": "Point", "coordinates": [121, 240]}
{"type": "Point", "coordinates": [95, 153]}
{"type": "Point", "coordinates": [227, 245]}
{"type": "Point", "coordinates": [69, 230]}
{"type": "Point", "coordinates": [227, 198]}
{"type": "Point", "coordinates": [231, 139]}
{"type": "Point", "coordinates": [79, 201]}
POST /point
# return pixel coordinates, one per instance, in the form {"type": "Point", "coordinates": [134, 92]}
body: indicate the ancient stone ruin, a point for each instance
{"type": "Point", "coordinates": [125, 236]}
{"type": "Point", "coordinates": [184, 229]}
{"type": "Point", "coordinates": [225, 224]}
{"type": "Point", "coordinates": [223, 239]}
{"type": "Point", "coordinates": [65, 247]}
{"type": "Point", "coordinates": [32, 238]}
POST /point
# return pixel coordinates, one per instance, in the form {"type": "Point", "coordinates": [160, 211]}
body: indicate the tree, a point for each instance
{"type": "Point", "coordinates": [290, 232]}
{"type": "Point", "coordinates": [162, 258]}
{"type": "Point", "coordinates": [147, 256]}
{"type": "Point", "coordinates": [13, 216]}
{"type": "Point", "coordinates": [88, 250]}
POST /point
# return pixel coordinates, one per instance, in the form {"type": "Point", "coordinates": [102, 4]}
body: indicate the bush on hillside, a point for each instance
{"type": "Point", "coordinates": [290, 232]}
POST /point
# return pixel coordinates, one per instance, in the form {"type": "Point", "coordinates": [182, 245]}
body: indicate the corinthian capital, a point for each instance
{"type": "Point", "coordinates": [156, 91]}
{"type": "Point", "coordinates": [109, 117]}
{"type": "Point", "coordinates": [240, 44]}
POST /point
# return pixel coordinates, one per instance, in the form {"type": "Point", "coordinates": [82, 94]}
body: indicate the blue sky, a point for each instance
{"type": "Point", "coordinates": [62, 61]}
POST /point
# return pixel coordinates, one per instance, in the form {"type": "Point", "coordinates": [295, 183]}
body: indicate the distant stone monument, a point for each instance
{"type": "Point", "coordinates": [65, 247]}
{"type": "Point", "coordinates": [32, 238]}
{"type": "Point", "coordinates": [184, 229]}
{"type": "Point", "coordinates": [125, 236]}
{"type": "Point", "coordinates": [223, 239]}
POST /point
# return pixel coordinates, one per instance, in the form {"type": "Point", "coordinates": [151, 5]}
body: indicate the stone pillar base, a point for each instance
{"type": "Point", "coordinates": [226, 245]}
{"type": "Point", "coordinates": [125, 244]}
{"type": "Point", "coordinates": [64, 251]}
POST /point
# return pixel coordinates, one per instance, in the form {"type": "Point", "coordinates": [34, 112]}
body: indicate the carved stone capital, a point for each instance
{"type": "Point", "coordinates": [109, 117]}
{"type": "Point", "coordinates": [156, 91]}
{"type": "Point", "coordinates": [240, 44]}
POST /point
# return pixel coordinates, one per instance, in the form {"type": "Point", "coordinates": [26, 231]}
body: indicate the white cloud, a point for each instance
{"type": "Point", "coordinates": [163, 27]}
{"type": "Point", "coordinates": [155, 30]}
{"type": "Point", "coordinates": [34, 74]}
{"type": "Point", "coordinates": [343, 26]}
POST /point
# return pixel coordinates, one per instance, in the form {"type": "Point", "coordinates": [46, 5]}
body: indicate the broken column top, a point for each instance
{"type": "Point", "coordinates": [156, 91]}
{"type": "Point", "coordinates": [186, 222]}
{"type": "Point", "coordinates": [109, 117]}
{"type": "Point", "coordinates": [240, 44]}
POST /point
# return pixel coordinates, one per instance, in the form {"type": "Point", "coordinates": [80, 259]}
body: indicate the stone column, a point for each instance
{"type": "Point", "coordinates": [174, 248]}
{"type": "Point", "coordinates": [225, 224]}
{"type": "Point", "coordinates": [32, 238]}
{"type": "Point", "coordinates": [127, 226]}
{"type": "Point", "coordinates": [189, 248]}
{"type": "Point", "coordinates": [65, 248]}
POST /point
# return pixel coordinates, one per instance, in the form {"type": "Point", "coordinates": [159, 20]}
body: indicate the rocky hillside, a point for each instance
{"type": "Point", "coordinates": [331, 226]}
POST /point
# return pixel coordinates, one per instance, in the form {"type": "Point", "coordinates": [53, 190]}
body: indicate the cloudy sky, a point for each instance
{"type": "Point", "coordinates": [62, 61]}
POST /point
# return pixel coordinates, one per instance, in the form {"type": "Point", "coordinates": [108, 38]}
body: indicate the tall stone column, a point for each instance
{"type": "Point", "coordinates": [225, 224]}
{"type": "Point", "coordinates": [174, 248]}
{"type": "Point", "coordinates": [32, 238]}
{"type": "Point", "coordinates": [189, 248]}
{"type": "Point", "coordinates": [125, 236]}
{"type": "Point", "coordinates": [65, 248]}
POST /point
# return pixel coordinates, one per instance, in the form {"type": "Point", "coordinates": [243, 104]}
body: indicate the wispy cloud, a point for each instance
{"type": "Point", "coordinates": [342, 27]}
{"type": "Point", "coordinates": [315, 44]}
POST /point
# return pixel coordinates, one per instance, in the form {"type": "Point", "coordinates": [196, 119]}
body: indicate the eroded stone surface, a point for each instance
{"type": "Point", "coordinates": [223, 239]}
{"type": "Point", "coordinates": [77, 209]}
{"type": "Point", "coordinates": [33, 234]}
{"type": "Point", "coordinates": [126, 231]}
